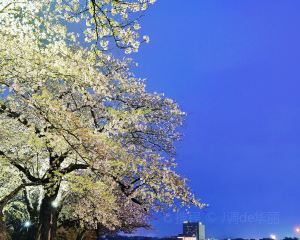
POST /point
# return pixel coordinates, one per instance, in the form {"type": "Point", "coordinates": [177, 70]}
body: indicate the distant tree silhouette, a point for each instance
{"type": "Point", "coordinates": [291, 238]}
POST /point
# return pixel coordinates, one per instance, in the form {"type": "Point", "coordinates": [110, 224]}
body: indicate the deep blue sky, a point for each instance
{"type": "Point", "coordinates": [233, 66]}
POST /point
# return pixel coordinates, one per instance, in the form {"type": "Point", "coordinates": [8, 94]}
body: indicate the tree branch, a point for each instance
{"type": "Point", "coordinates": [13, 193]}
{"type": "Point", "coordinates": [72, 167]}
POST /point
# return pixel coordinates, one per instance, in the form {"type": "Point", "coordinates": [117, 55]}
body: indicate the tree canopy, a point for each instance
{"type": "Point", "coordinates": [79, 132]}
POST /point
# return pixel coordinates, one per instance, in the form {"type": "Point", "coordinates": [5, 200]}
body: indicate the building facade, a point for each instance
{"type": "Point", "coordinates": [194, 230]}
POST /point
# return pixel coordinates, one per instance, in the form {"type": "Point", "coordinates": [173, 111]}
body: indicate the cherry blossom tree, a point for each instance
{"type": "Point", "coordinates": [77, 124]}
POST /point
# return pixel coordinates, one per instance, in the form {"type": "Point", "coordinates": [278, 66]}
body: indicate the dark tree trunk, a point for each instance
{"type": "Point", "coordinates": [80, 235]}
{"type": "Point", "coordinates": [33, 213]}
{"type": "Point", "coordinates": [31, 233]}
{"type": "Point", "coordinates": [48, 216]}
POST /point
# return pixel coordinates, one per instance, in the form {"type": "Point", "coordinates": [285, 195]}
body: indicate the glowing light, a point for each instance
{"type": "Point", "coordinates": [55, 204]}
{"type": "Point", "coordinates": [273, 236]}
{"type": "Point", "coordinates": [27, 224]}
{"type": "Point", "coordinates": [297, 230]}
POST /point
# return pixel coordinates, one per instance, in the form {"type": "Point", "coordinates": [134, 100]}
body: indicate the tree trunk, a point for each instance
{"type": "Point", "coordinates": [32, 209]}
{"type": "Point", "coordinates": [31, 233]}
{"type": "Point", "coordinates": [80, 235]}
{"type": "Point", "coordinates": [48, 217]}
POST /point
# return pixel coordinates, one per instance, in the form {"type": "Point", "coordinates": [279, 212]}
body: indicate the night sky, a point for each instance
{"type": "Point", "coordinates": [233, 66]}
